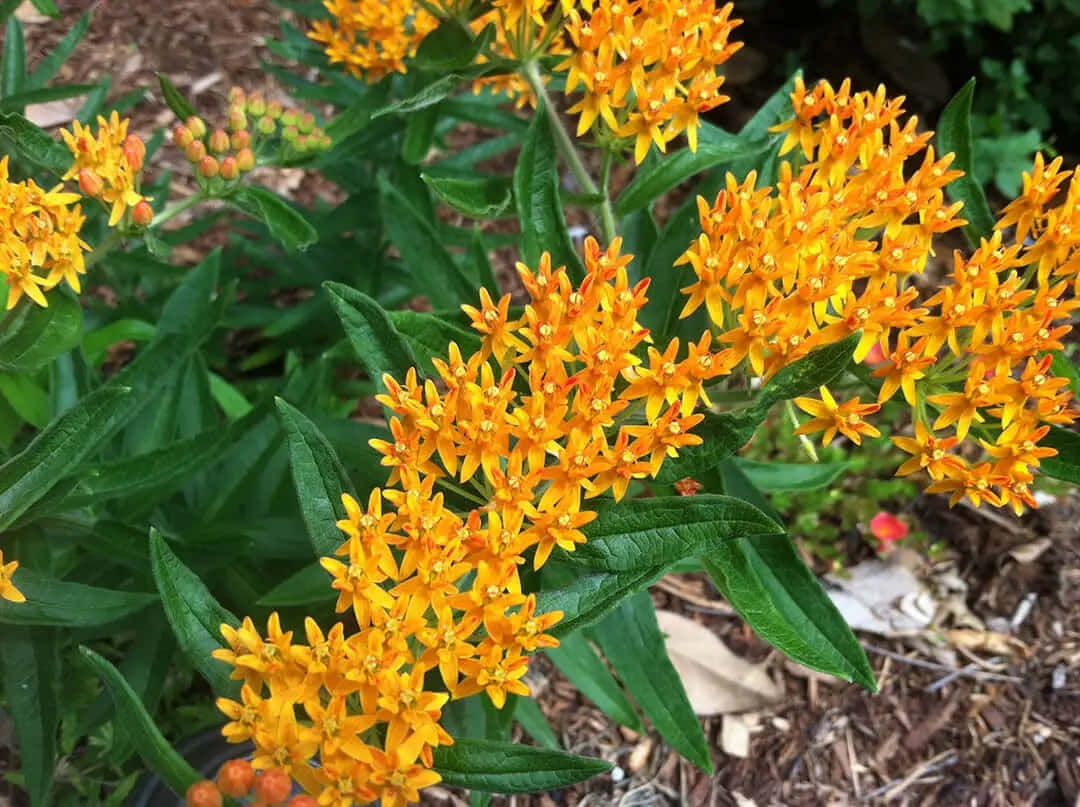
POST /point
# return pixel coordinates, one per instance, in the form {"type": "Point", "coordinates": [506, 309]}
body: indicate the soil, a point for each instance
{"type": "Point", "coordinates": [948, 727]}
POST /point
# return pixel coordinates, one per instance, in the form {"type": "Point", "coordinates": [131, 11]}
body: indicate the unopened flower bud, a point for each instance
{"type": "Point", "coordinates": [273, 786]}
{"type": "Point", "coordinates": [237, 120]}
{"type": "Point", "coordinates": [274, 109]}
{"type": "Point", "coordinates": [241, 140]}
{"type": "Point", "coordinates": [142, 214]}
{"type": "Point", "coordinates": [236, 95]}
{"type": "Point", "coordinates": [236, 778]}
{"type": "Point", "coordinates": [182, 136]}
{"type": "Point", "coordinates": [290, 133]}
{"type": "Point", "coordinates": [245, 160]}
{"type": "Point", "coordinates": [195, 151]}
{"type": "Point", "coordinates": [90, 182]}
{"type": "Point", "coordinates": [303, 800]}
{"type": "Point", "coordinates": [290, 117]}
{"type": "Point", "coordinates": [266, 125]}
{"type": "Point", "coordinates": [208, 167]}
{"type": "Point", "coordinates": [134, 152]}
{"type": "Point", "coordinates": [256, 105]}
{"type": "Point", "coordinates": [302, 142]}
{"type": "Point", "coordinates": [306, 124]}
{"type": "Point", "coordinates": [197, 127]}
{"type": "Point", "coordinates": [229, 168]}
{"type": "Point", "coordinates": [219, 141]}
{"type": "Point", "coordinates": [203, 794]}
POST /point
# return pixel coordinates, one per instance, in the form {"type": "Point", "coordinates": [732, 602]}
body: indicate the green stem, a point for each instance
{"type": "Point", "coordinates": [104, 248]}
{"type": "Point", "coordinates": [467, 494]}
{"type": "Point", "coordinates": [175, 209]}
{"type": "Point", "coordinates": [807, 443]}
{"type": "Point", "coordinates": [607, 214]}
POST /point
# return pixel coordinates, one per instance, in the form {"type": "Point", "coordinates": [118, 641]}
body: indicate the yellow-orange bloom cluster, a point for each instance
{"type": "Point", "coordinates": [373, 38]}
{"type": "Point", "coordinates": [827, 252]}
{"type": "Point", "coordinates": [647, 68]}
{"type": "Point", "coordinates": [8, 590]}
{"type": "Point", "coordinates": [107, 165]}
{"type": "Point", "coordinates": [39, 238]}
{"type": "Point", "coordinates": [530, 427]}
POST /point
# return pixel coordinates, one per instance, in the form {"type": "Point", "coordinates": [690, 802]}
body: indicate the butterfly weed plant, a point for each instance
{"type": "Point", "coordinates": [354, 521]}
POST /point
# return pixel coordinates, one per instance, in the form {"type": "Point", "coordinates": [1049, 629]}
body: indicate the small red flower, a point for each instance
{"type": "Point", "coordinates": [888, 529]}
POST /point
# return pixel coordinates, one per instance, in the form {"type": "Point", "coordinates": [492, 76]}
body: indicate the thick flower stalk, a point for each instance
{"type": "Point", "coordinates": [492, 465]}
{"type": "Point", "coordinates": [647, 69]}
{"type": "Point", "coordinates": [107, 165]}
{"type": "Point", "coordinates": [828, 253]}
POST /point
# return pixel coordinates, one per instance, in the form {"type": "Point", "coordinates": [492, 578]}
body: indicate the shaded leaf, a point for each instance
{"type": "Point", "coordinates": [30, 665]}
{"type": "Point", "coordinates": [954, 135]}
{"type": "Point", "coordinates": [770, 476]}
{"type": "Point", "coordinates": [68, 605]}
{"type": "Point", "coordinates": [505, 767]}
{"type": "Point", "coordinates": [584, 668]}
{"type": "Point", "coordinates": [284, 221]}
{"type": "Point", "coordinates": [176, 101]}
{"type": "Point", "coordinates": [477, 197]}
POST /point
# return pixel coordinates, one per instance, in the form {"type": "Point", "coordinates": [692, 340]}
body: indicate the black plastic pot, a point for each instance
{"type": "Point", "coordinates": [206, 752]}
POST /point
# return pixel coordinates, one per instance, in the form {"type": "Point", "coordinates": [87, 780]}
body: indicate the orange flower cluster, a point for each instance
{"type": "Point", "coordinates": [39, 238]}
{"type": "Point", "coordinates": [648, 67]}
{"type": "Point", "coordinates": [107, 165]}
{"type": "Point", "coordinates": [826, 253]}
{"type": "Point", "coordinates": [529, 427]}
{"type": "Point", "coordinates": [373, 38]}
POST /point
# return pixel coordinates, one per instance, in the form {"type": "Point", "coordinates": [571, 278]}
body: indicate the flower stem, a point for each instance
{"type": "Point", "coordinates": [807, 443]}
{"type": "Point", "coordinates": [176, 208]}
{"type": "Point", "coordinates": [607, 214]}
{"type": "Point", "coordinates": [104, 248]}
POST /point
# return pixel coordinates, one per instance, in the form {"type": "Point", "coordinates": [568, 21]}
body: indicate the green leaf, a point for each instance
{"type": "Point", "coordinates": [33, 144]}
{"type": "Point", "coordinates": [20, 100]}
{"type": "Point", "coordinates": [581, 664]}
{"type": "Point", "coordinates": [419, 134]}
{"type": "Point", "coordinates": [178, 103]}
{"type": "Point", "coordinates": [29, 400]}
{"type": "Point", "coordinates": [478, 265]}
{"type": "Point", "coordinates": [30, 665]}
{"type": "Point", "coordinates": [770, 586]}
{"type": "Point", "coordinates": [96, 344]}
{"type": "Point", "coordinates": [152, 747]}
{"type": "Point", "coordinates": [428, 262]}
{"type": "Point", "coordinates": [772, 476]}
{"type": "Point", "coordinates": [378, 344]}
{"type": "Point", "coordinates": [588, 598]}
{"type": "Point", "coordinates": [429, 336]}
{"type": "Point", "coordinates": [430, 94]}
{"type": "Point", "coordinates": [1064, 367]}
{"type": "Point", "coordinates": [51, 456]}
{"type": "Point", "coordinates": [668, 172]}
{"type": "Point", "coordinates": [319, 477]}
{"type": "Point", "coordinates": [13, 59]}
{"type": "Point", "coordinates": [229, 398]}
{"type": "Point", "coordinates": [284, 221]}
{"type": "Point", "coordinates": [661, 313]}
{"type": "Point", "coordinates": [631, 639]}
{"type": "Point", "coordinates": [309, 585]}
{"type": "Point", "coordinates": [504, 767]}
{"type": "Point", "coordinates": [1066, 465]}
{"type": "Point", "coordinates": [533, 721]}
{"type": "Point", "coordinates": [725, 434]}
{"type": "Point", "coordinates": [451, 46]}
{"type": "Point", "coordinates": [48, 67]}
{"type": "Point", "coordinates": [954, 135]}
{"type": "Point", "coordinates": [645, 533]}
{"type": "Point", "coordinates": [195, 616]}
{"type": "Point", "coordinates": [476, 197]}
{"type": "Point", "coordinates": [536, 191]}
{"type": "Point", "coordinates": [32, 336]}
{"type": "Point", "coordinates": [47, 7]}
{"type": "Point", "coordinates": [68, 605]}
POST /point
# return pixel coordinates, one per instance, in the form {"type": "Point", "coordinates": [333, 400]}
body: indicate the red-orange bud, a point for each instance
{"type": "Point", "coordinates": [208, 167]}
{"type": "Point", "coordinates": [203, 794]}
{"type": "Point", "coordinates": [302, 801]}
{"type": "Point", "coordinates": [245, 160]}
{"type": "Point", "coordinates": [219, 141]}
{"type": "Point", "coordinates": [90, 183]}
{"type": "Point", "coordinates": [229, 168]}
{"type": "Point", "coordinates": [273, 787]}
{"type": "Point", "coordinates": [134, 152]}
{"type": "Point", "coordinates": [182, 136]}
{"type": "Point", "coordinates": [236, 777]}
{"type": "Point", "coordinates": [241, 140]}
{"type": "Point", "coordinates": [142, 214]}
{"type": "Point", "coordinates": [195, 151]}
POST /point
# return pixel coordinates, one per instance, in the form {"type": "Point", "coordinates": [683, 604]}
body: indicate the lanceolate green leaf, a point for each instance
{"type": "Point", "coordinates": [195, 616]}
{"type": "Point", "coordinates": [151, 746]}
{"type": "Point", "coordinates": [61, 446]}
{"type": "Point", "coordinates": [310, 584]}
{"type": "Point", "coordinates": [33, 143]}
{"type": "Point", "coordinates": [668, 172]}
{"type": "Point", "coordinates": [30, 664]}
{"type": "Point", "coordinates": [13, 60]}
{"type": "Point", "coordinates": [954, 135]}
{"type": "Point", "coordinates": [20, 100]}
{"type": "Point", "coordinates": [378, 344]}
{"type": "Point", "coordinates": [429, 336]}
{"type": "Point", "coordinates": [176, 101]}
{"type": "Point", "coordinates": [536, 191]}
{"type": "Point", "coordinates": [478, 197]}
{"type": "Point", "coordinates": [49, 66]}
{"type": "Point", "coordinates": [284, 221]}
{"type": "Point", "coordinates": [1066, 465]}
{"type": "Point", "coordinates": [31, 336]}
{"type": "Point", "coordinates": [1065, 367]}
{"type": "Point", "coordinates": [631, 639]}
{"type": "Point", "coordinates": [645, 533]}
{"type": "Point", "coordinates": [770, 476]}
{"type": "Point", "coordinates": [577, 660]}
{"type": "Point", "coordinates": [532, 719]}
{"type": "Point", "coordinates": [505, 767]}
{"type": "Point", "coordinates": [591, 597]}
{"type": "Point", "coordinates": [770, 586]}
{"type": "Point", "coordinates": [68, 605]}
{"type": "Point", "coordinates": [319, 477]}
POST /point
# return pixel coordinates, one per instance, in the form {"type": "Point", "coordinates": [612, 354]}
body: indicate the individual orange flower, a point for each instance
{"type": "Point", "coordinates": [8, 590]}
{"type": "Point", "coordinates": [847, 418]}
